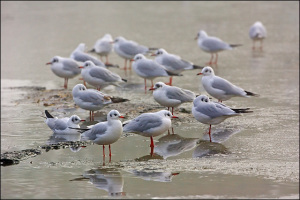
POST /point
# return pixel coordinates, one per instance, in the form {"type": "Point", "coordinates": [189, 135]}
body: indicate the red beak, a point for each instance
{"type": "Point", "coordinates": [174, 116]}
{"type": "Point", "coordinates": [80, 67]}
{"type": "Point", "coordinates": [82, 120]}
{"type": "Point", "coordinates": [131, 60]}
{"type": "Point", "coordinates": [174, 174]}
{"type": "Point", "coordinates": [153, 54]}
{"type": "Point", "coordinates": [152, 89]}
{"type": "Point", "coordinates": [122, 117]}
{"type": "Point", "coordinates": [49, 63]}
{"type": "Point", "coordinates": [200, 73]}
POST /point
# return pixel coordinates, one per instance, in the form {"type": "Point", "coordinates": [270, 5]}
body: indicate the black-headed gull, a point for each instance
{"type": "Point", "coordinates": [171, 96]}
{"type": "Point", "coordinates": [257, 32]}
{"type": "Point", "coordinates": [79, 55]}
{"type": "Point", "coordinates": [173, 63]}
{"type": "Point", "coordinates": [149, 69]}
{"type": "Point", "coordinates": [212, 45]}
{"type": "Point", "coordinates": [127, 49]}
{"type": "Point", "coordinates": [61, 126]}
{"type": "Point", "coordinates": [64, 67]}
{"type": "Point", "coordinates": [219, 87]}
{"type": "Point", "coordinates": [212, 113]}
{"type": "Point", "coordinates": [103, 47]}
{"type": "Point", "coordinates": [99, 76]}
{"type": "Point", "coordinates": [105, 133]}
{"type": "Point", "coordinates": [90, 99]}
{"type": "Point", "coordinates": [149, 124]}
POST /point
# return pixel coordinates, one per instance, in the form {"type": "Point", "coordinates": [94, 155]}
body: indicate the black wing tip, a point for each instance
{"type": "Point", "coordinates": [251, 94]}
{"type": "Point", "coordinates": [92, 50]}
{"type": "Point", "coordinates": [48, 115]}
{"type": "Point", "coordinates": [242, 110]}
{"type": "Point", "coordinates": [235, 45]}
{"type": "Point", "coordinates": [198, 67]}
{"type": "Point", "coordinates": [124, 80]}
{"type": "Point", "coordinates": [80, 130]}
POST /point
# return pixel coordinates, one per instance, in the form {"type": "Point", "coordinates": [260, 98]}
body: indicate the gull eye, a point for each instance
{"type": "Point", "coordinates": [115, 114]}
{"type": "Point", "coordinates": [110, 115]}
{"type": "Point", "coordinates": [206, 70]}
{"type": "Point", "coordinates": [206, 100]}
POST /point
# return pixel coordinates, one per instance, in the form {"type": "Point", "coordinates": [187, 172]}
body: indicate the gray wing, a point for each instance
{"type": "Point", "coordinates": [61, 124]}
{"type": "Point", "coordinates": [150, 68]}
{"type": "Point", "coordinates": [175, 63]}
{"type": "Point", "coordinates": [104, 74]}
{"type": "Point", "coordinates": [226, 86]}
{"type": "Point", "coordinates": [143, 123]}
{"type": "Point", "coordinates": [82, 57]}
{"type": "Point", "coordinates": [132, 48]}
{"type": "Point", "coordinates": [98, 129]}
{"type": "Point", "coordinates": [72, 66]}
{"type": "Point", "coordinates": [215, 44]}
{"type": "Point", "coordinates": [91, 96]}
{"type": "Point", "coordinates": [180, 94]}
{"type": "Point", "coordinates": [214, 110]}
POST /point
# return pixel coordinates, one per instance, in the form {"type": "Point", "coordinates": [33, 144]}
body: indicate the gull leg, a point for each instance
{"type": "Point", "coordinates": [216, 59]}
{"type": "Point", "coordinates": [103, 150]}
{"type": "Point", "coordinates": [170, 81]}
{"type": "Point", "coordinates": [125, 66]}
{"type": "Point", "coordinates": [145, 85]}
{"type": "Point", "coordinates": [211, 58]}
{"type": "Point", "coordinates": [172, 110]}
{"type": "Point", "coordinates": [209, 132]}
{"type": "Point", "coordinates": [152, 146]}
{"type": "Point", "coordinates": [109, 153]}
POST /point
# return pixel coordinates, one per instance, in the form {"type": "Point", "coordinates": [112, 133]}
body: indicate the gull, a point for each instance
{"type": "Point", "coordinates": [103, 47]}
{"type": "Point", "coordinates": [257, 32]}
{"type": "Point", "coordinates": [171, 96]}
{"type": "Point", "coordinates": [105, 133]}
{"type": "Point", "coordinates": [99, 76]}
{"type": "Point", "coordinates": [219, 87]}
{"type": "Point", "coordinates": [149, 125]}
{"type": "Point", "coordinates": [173, 63]}
{"type": "Point", "coordinates": [64, 67]}
{"type": "Point", "coordinates": [127, 49]}
{"type": "Point", "coordinates": [79, 55]}
{"type": "Point", "coordinates": [61, 126]}
{"type": "Point", "coordinates": [212, 113]}
{"type": "Point", "coordinates": [90, 99]}
{"type": "Point", "coordinates": [149, 69]}
{"type": "Point", "coordinates": [212, 45]}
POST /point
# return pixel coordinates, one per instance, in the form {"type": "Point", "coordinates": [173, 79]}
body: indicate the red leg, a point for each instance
{"type": "Point", "coordinates": [106, 58]}
{"type": "Point", "coordinates": [172, 110]}
{"type": "Point", "coordinates": [216, 59]}
{"type": "Point", "coordinates": [152, 84]}
{"type": "Point", "coordinates": [219, 100]}
{"type": "Point", "coordinates": [90, 115]}
{"type": "Point", "coordinates": [209, 132]}
{"type": "Point", "coordinates": [170, 81]}
{"type": "Point", "coordinates": [168, 132]}
{"type": "Point", "coordinates": [172, 130]}
{"type": "Point", "coordinates": [109, 150]}
{"type": "Point", "coordinates": [125, 66]}
{"type": "Point", "coordinates": [93, 115]}
{"type": "Point", "coordinates": [103, 150]}
{"type": "Point", "coordinates": [98, 88]}
{"type": "Point", "coordinates": [130, 63]}
{"type": "Point", "coordinates": [152, 146]}
{"type": "Point", "coordinates": [211, 58]}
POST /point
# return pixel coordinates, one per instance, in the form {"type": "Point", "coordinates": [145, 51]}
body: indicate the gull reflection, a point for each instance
{"type": "Point", "coordinates": [108, 179]}
{"type": "Point", "coordinates": [57, 138]}
{"type": "Point", "coordinates": [151, 175]}
{"type": "Point", "coordinates": [173, 145]}
{"type": "Point", "coordinates": [149, 157]}
{"type": "Point", "coordinates": [220, 135]}
{"type": "Point", "coordinates": [207, 148]}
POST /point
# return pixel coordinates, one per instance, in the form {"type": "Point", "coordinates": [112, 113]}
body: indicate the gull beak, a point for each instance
{"type": "Point", "coordinates": [200, 73]}
{"type": "Point", "coordinates": [153, 54]}
{"type": "Point", "coordinates": [131, 60]}
{"type": "Point", "coordinates": [111, 42]}
{"type": "Point", "coordinates": [174, 116]}
{"type": "Point", "coordinates": [81, 67]}
{"type": "Point", "coordinates": [152, 89]}
{"type": "Point", "coordinates": [174, 174]}
{"type": "Point", "coordinates": [82, 120]}
{"type": "Point", "coordinates": [48, 63]}
{"type": "Point", "coordinates": [121, 117]}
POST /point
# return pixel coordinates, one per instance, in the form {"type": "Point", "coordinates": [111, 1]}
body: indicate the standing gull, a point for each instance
{"type": "Point", "coordinates": [61, 126]}
{"type": "Point", "coordinates": [127, 49]}
{"type": "Point", "coordinates": [171, 96]}
{"type": "Point", "coordinates": [99, 76]}
{"type": "Point", "coordinates": [90, 99]}
{"type": "Point", "coordinates": [105, 133]}
{"type": "Point", "coordinates": [103, 47]}
{"type": "Point", "coordinates": [257, 32]}
{"type": "Point", "coordinates": [149, 69]}
{"type": "Point", "coordinates": [64, 67]}
{"type": "Point", "coordinates": [212, 113]}
{"type": "Point", "coordinates": [212, 45]}
{"type": "Point", "coordinates": [220, 88]}
{"type": "Point", "coordinates": [150, 125]}
{"type": "Point", "coordinates": [173, 63]}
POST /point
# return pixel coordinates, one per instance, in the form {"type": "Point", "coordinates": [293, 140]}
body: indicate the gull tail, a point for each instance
{"type": "Point", "coordinates": [92, 50]}
{"type": "Point", "coordinates": [251, 94]}
{"type": "Point", "coordinates": [112, 65]}
{"type": "Point", "coordinates": [48, 114]}
{"type": "Point", "coordinates": [197, 67]}
{"type": "Point", "coordinates": [173, 74]}
{"type": "Point", "coordinates": [235, 45]}
{"type": "Point", "coordinates": [242, 110]}
{"type": "Point", "coordinates": [80, 130]}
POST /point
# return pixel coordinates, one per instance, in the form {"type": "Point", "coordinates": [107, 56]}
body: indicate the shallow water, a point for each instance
{"type": "Point", "coordinates": [252, 156]}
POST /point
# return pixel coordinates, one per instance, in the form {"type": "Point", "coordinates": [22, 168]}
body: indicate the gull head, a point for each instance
{"type": "Point", "coordinates": [207, 71]}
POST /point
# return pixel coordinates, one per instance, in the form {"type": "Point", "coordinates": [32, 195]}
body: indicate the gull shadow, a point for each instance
{"type": "Point", "coordinates": [207, 149]}
{"type": "Point", "coordinates": [107, 179]}
{"type": "Point", "coordinates": [61, 138]}
{"type": "Point", "coordinates": [173, 145]}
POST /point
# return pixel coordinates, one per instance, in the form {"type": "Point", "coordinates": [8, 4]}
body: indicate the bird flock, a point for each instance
{"type": "Point", "coordinates": [96, 73]}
